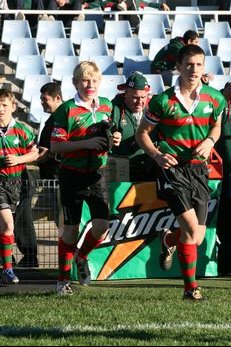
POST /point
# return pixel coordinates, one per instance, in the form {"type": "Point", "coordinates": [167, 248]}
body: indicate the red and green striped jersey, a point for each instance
{"type": "Point", "coordinates": [74, 122]}
{"type": "Point", "coordinates": [179, 131]}
{"type": "Point", "coordinates": [17, 140]}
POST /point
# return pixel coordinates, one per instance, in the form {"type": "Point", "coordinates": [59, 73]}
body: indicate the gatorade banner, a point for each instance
{"type": "Point", "coordinates": [132, 247]}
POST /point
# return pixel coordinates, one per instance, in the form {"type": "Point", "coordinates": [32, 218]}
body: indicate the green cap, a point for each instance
{"type": "Point", "coordinates": [135, 81]}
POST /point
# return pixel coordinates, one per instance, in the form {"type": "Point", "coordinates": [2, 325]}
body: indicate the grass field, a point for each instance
{"type": "Point", "coordinates": [117, 313]}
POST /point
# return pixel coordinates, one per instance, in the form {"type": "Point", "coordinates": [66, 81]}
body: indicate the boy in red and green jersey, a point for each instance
{"type": "Point", "coordinates": [82, 136]}
{"type": "Point", "coordinates": [17, 148]}
{"type": "Point", "coordinates": [187, 118]}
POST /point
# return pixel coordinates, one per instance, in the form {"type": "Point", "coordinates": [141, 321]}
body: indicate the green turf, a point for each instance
{"type": "Point", "coordinates": [119, 313]}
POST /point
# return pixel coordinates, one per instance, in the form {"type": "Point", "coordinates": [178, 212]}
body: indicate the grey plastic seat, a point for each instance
{"type": "Point", "coordinates": [224, 49]}
{"type": "Point", "coordinates": [205, 45]}
{"type": "Point", "coordinates": [213, 31]}
{"type": "Point", "coordinates": [214, 64]}
{"type": "Point", "coordinates": [49, 29]}
{"type": "Point", "coordinates": [179, 28]}
{"type": "Point", "coordinates": [30, 65]}
{"type": "Point", "coordinates": [149, 30]}
{"type": "Point", "coordinates": [83, 30]}
{"type": "Point", "coordinates": [36, 113]}
{"type": "Point", "coordinates": [56, 47]}
{"type": "Point", "coordinates": [196, 17]}
{"type": "Point", "coordinates": [136, 63]}
{"type": "Point", "coordinates": [155, 45]}
{"type": "Point", "coordinates": [67, 88]}
{"type": "Point", "coordinates": [106, 63]}
{"type": "Point", "coordinates": [89, 47]}
{"type": "Point", "coordinates": [126, 46]}
{"type": "Point", "coordinates": [63, 66]}
{"type": "Point", "coordinates": [156, 83]}
{"type": "Point", "coordinates": [22, 46]}
{"type": "Point", "coordinates": [116, 29]}
{"type": "Point", "coordinates": [108, 85]}
{"type": "Point", "coordinates": [14, 28]}
{"type": "Point", "coordinates": [219, 81]}
{"type": "Point", "coordinates": [33, 84]}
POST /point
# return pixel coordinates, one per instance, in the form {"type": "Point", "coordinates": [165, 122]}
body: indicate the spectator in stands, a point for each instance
{"type": "Point", "coordinates": [164, 62]}
{"type": "Point", "coordinates": [81, 136]}
{"type": "Point", "coordinates": [128, 109]}
{"type": "Point", "coordinates": [24, 230]}
{"type": "Point", "coordinates": [17, 148]}
{"type": "Point", "coordinates": [64, 5]}
{"type": "Point", "coordinates": [223, 220]}
{"type": "Point", "coordinates": [186, 139]}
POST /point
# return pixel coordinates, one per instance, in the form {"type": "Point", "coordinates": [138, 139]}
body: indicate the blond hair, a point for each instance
{"type": "Point", "coordinates": [86, 69]}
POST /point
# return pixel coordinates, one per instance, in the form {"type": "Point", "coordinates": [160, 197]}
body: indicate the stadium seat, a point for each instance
{"type": "Point", "coordinates": [214, 64]}
{"type": "Point", "coordinates": [14, 28]}
{"type": "Point", "coordinates": [213, 31]}
{"type": "Point", "coordinates": [126, 46]}
{"type": "Point", "coordinates": [164, 18]}
{"type": "Point", "coordinates": [63, 66]}
{"type": "Point", "coordinates": [67, 88]}
{"type": "Point", "coordinates": [136, 63]}
{"type": "Point", "coordinates": [155, 46]}
{"type": "Point", "coordinates": [98, 18]}
{"type": "Point", "coordinates": [116, 29]}
{"type": "Point", "coordinates": [36, 113]}
{"type": "Point", "coordinates": [94, 47]}
{"type": "Point", "coordinates": [106, 63]}
{"type": "Point", "coordinates": [108, 85]}
{"type": "Point", "coordinates": [32, 85]}
{"type": "Point", "coordinates": [219, 81]}
{"type": "Point", "coordinates": [156, 83]}
{"type": "Point", "coordinates": [56, 47]}
{"type": "Point", "coordinates": [149, 30]}
{"type": "Point", "coordinates": [49, 29]}
{"type": "Point", "coordinates": [179, 28]}
{"type": "Point", "coordinates": [205, 45]}
{"type": "Point", "coordinates": [224, 49]}
{"type": "Point", "coordinates": [30, 65]}
{"type": "Point", "coordinates": [83, 30]}
{"type": "Point", "coordinates": [196, 17]}
{"type": "Point", "coordinates": [22, 46]}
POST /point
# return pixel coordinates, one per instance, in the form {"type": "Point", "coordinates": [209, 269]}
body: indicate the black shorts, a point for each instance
{"type": "Point", "coordinates": [10, 191]}
{"type": "Point", "coordinates": [75, 188]}
{"type": "Point", "coordinates": [185, 187]}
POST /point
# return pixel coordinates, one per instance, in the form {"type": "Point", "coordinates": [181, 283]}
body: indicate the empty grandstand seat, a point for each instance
{"type": "Point", "coordinates": [126, 46]}
{"type": "Point", "coordinates": [213, 31]}
{"type": "Point", "coordinates": [58, 46]}
{"type": "Point", "coordinates": [214, 64]}
{"type": "Point", "coordinates": [155, 45]}
{"type": "Point", "coordinates": [108, 85]}
{"type": "Point", "coordinates": [196, 17]}
{"type": "Point", "coordinates": [63, 66]}
{"type": "Point", "coordinates": [36, 113]}
{"type": "Point", "coordinates": [67, 88]}
{"type": "Point", "coordinates": [156, 83]}
{"type": "Point", "coordinates": [116, 29]}
{"type": "Point", "coordinates": [49, 29]}
{"type": "Point", "coordinates": [14, 28]}
{"type": "Point", "coordinates": [22, 46]}
{"type": "Point", "coordinates": [219, 81]}
{"type": "Point", "coordinates": [106, 63]}
{"type": "Point", "coordinates": [224, 49]}
{"type": "Point", "coordinates": [179, 28]}
{"type": "Point", "coordinates": [89, 47]}
{"type": "Point", "coordinates": [83, 30]}
{"type": "Point", "coordinates": [136, 63]}
{"type": "Point", "coordinates": [30, 65]}
{"type": "Point", "coordinates": [205, 45]}
{"type": "Point", "coordinates": [164, 18]}
{"type": "Point", "coordinates": [32, 85]}
{"type": "Point", "coordinates": [149, 30]}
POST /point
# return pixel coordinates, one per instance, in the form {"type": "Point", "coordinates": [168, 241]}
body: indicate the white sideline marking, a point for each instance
{"type": "Point", "coordinates": [152, 326]}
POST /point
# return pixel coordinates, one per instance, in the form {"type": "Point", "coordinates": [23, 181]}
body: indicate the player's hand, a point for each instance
{"type": "Point", "coordinates": [117, 138]}
{"type": "Point", "coordinates": [203, 149]}
{"type": "Point", "coordinates": [165, 160]}
{"type": "Point", "coordinates": [11, 160]}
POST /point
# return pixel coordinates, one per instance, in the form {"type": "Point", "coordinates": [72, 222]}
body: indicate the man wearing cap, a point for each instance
{"type": "Point", "coordinates": [128, 109]}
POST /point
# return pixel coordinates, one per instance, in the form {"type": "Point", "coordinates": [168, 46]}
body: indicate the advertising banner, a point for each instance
{"type": "Point", "coordinates": [132, 247]}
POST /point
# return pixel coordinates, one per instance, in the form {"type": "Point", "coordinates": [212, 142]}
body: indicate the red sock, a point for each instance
{"type": "Point", "coordinates": [172, 238]}
{"type": "Point", "coordinates": [88, 245]}
{"type": "Point", "coordinates": [6, 242]}
{"type": "Point", "coordinates": [66, 254]}
{"type": "Point", "coordinates": [187, 254]}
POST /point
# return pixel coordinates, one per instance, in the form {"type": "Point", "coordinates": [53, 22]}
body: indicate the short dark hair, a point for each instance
{"type": "Point", "coordinates": [189, 50]}
{"type": "Point", "coordinates": [52, 89]}
{"type": "Point", "coordinates": [190, 35]}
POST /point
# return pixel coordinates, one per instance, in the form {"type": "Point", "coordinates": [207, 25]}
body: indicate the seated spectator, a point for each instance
{"type": "Point", "coordinates": [164, 62]}
{"type": "Point", "coordinates": [128, 109]}
{"type": "Point", "coordinates": [64, 5]}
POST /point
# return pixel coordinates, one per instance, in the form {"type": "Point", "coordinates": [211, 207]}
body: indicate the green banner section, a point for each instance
{"type": "Point", "coordinates": [132, 247]}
